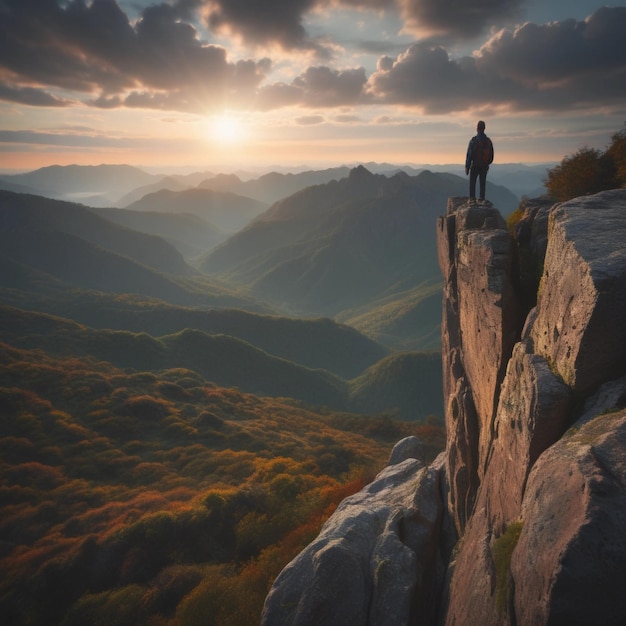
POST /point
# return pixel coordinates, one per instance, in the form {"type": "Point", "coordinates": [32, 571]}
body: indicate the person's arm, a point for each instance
{"type": "Point", "coordinates": [491, 155]}
{"type": "Point", "coordinates": [469, 156]}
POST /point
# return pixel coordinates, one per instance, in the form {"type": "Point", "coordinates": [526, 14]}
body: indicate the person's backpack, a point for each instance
{"type": "Point", "coordinates": [482, 151]}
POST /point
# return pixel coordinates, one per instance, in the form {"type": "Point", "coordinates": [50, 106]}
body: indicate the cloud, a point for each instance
{"type": "Point", "coordinates": [451, 18]}
{"type": "Point", "coordinates": [558, 52]}
{"type": "Point", "coordinates": [310, 120]}
{"type": "Point", "coordinates": [57, 53]}
{"type": "Point", "coordinates": [323, 86]}
{"type": "Point", "coordinates": [276, 22]}
{"type": "Point", "coordinates": [426, 76]}
{"type": "Point", "coordinates": [316, 87]}
{"type": "Point", "coordinates": [93, 49]}
{"type": "Point", "coordinates": [347, 118]}
{"type": "Point", "coordinates": [79, 138]}
{"type": "Point", "coordinates": [32, 96]}
{"type": "Point", "coordinates": [534, 67]}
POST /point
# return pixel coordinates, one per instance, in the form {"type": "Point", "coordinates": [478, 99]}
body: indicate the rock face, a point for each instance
{"type": "Point", "coordinates": [533, 479]}
{"type": "Point", "coordinates": [541, 487]}
{"type": "Point", "coordinates": [580, 325]}
{"type": "Point", "coordinates": [481, 323]}
{"type": "Point", "coordinates": [372, 561]}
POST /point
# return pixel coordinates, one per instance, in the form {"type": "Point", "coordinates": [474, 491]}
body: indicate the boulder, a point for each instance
{"type": "Point", "coordinates": [375, 560]}
{"type": "Point", "coordinates": [564, 494]}
{"type": "Point", "coordinates": [407, 448]}
{"type": "Point", "coordinates": [461, 448]}
{"type": "Point", "coordinates": [531, 238]}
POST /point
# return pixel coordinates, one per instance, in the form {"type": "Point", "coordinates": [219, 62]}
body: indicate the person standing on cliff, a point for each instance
{"type": "Point", "coordinates": [478, 159]}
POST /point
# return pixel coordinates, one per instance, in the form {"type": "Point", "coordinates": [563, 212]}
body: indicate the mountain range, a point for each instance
{"type": "Point", "coordinates": [147, 308]}
{"type": "Point", "coordinates": [191, 234]}
{"type": "Point", "coordinates": [318, 296]}
{"type": "Point", "coordinates": [347, 248]}
{"type": "Point", "coordinates": [225, 210]}
{"type": "Point", "coordinates": [121, 185]}
{"type": "Point", "coordinates": [96, 185]}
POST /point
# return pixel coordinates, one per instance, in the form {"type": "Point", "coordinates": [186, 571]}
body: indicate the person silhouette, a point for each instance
{"type": "Point", "coordinates": [477, 161]}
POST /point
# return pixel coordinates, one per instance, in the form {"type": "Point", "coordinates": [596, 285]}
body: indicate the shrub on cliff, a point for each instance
{"type": "Point", "coordinates": [589, 170]}
{"type": "Point", "coordinates": [617, 153]}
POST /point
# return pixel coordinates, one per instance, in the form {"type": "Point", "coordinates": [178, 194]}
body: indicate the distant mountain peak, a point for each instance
{"type": "Point", "coordinates": [222, 179]}
{"type": "Point", "coordinates": [360, 173]}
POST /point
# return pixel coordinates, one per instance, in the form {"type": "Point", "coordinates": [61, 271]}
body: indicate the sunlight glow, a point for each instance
{"type": "Point", "coordinates": [226, 130]}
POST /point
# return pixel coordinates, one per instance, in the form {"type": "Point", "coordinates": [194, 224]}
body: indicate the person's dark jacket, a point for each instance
{"type": "Point", "coordinates": [469, 159]}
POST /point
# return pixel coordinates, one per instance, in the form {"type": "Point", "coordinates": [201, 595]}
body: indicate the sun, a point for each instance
{"type": "Point", "coordinates": [226, 130]}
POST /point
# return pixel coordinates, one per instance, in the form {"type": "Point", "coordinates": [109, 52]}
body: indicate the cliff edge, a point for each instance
{"type": "Point", "coordinates": [521, 520]}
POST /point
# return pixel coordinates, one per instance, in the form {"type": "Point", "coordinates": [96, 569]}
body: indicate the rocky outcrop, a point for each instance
{"type": "Point", "coordinates": [568, 565]}
{"type": "Point", "coordinates": [533, 479]}
{"type": "Point", "coordinates": [580, 326]}
{"type": "Point", "coordinates": [372, 563]}
{"type": "Point", "coordinates": [539, 488]}
{"type": "Point", "coordinates": [481, 324]}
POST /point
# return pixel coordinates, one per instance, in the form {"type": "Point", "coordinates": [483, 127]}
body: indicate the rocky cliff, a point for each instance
{"type": "Point", "coordinates": [521, 521]}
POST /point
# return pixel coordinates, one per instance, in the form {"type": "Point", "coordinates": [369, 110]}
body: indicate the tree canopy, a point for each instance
{"type": "Point", "coordinates": [589, 170]}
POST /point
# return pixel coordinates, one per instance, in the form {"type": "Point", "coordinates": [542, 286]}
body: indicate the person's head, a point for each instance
{"type": "Point", "coordinates": [480, 127]}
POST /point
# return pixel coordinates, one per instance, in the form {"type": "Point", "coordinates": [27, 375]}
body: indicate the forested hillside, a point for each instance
{"type": "Point", "coordinates": [169, 438]}
{"type": "Point", "coordinates": [133, 497]}
{"type": "Point", "coordinates": [363, 245]}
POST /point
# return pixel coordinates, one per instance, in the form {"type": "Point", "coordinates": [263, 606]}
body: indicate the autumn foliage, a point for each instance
{"type": "Point", "coordinates": [159, 498]}
{"type": "Point", "coordinates": [589, 171]}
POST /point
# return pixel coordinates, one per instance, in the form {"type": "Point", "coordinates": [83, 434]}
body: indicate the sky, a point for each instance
{"type": "Point", "coordinates": [222, 85]}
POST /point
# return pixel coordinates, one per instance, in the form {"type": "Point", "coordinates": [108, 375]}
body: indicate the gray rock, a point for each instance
{"type": "Point", "coordinates": [374, 559]}
{"type": "Point", "coordinates": [534, 406]}
{"type": "Point", "coordinates": [569, 492]}
{"type": "Point", "coordinates": [568, 566]}
{"type": "Point", "coordinates": [480, 325]}
{"type": "Point", "coordinates": [488, 318]}
{"type": "Point", "coordinates": [609, 397]}
{"type": "Point", "coordinates": [581, 321]}
{"type": "Point", "coordinates": [407, 448]}
{"type": "Point", "coordinates": [512, 459]}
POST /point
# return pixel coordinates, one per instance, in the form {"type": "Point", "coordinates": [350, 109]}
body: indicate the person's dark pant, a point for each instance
{"type": "Point", "coordinates": [481, 174]}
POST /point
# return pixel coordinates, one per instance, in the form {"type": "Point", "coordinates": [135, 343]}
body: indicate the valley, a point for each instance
{"type": "Point", "coordinates": [191, 383]}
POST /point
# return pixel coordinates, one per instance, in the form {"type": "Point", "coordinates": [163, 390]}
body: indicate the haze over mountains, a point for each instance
{"type": "Point", "coordinates": [225, 267]}
{"type": "Point", "coordinates": [120, 185]}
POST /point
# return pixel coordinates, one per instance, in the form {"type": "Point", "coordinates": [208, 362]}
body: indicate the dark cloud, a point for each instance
{"type": "Point", "coordinates": [325, 87]}
{"type": "Point", "coordinates": [427, 77]}
{"type": "Point", "coordinates": [32, 96]}
{"type": "Point", "coordinates": [377, 47]}
{"type": "Point", "coordinates": [375, 5]}
{"type": "Point", "coordinates": [277, 95]}
{"type": "Point", "coordinates": [75, 139]}
{"type": "Point", "coordinates": [277, 22]}
{"type": "Point", "coordinates": [346, 118]}
{"type": "Point", "coordinates": [92, 48]}
{"type": "Point", "coordinates": [559, 52]}
{"type": "Point", "coordinates": [568, 64]}
{"type": "Point", "coordinates": [459, 19]}
{"type": "Point", "coordinates": [317, 87]}
{"type": "Point", "coordinates": [53, 52]}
